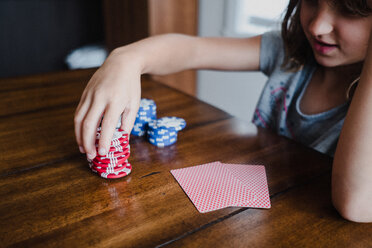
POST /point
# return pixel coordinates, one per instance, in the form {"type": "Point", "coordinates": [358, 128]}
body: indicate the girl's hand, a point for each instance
{"type": "Point", "coordinates": [113, 90]}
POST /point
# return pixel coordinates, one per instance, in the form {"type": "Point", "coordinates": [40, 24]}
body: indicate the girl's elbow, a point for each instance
{"type": "Point", "coordinates": [354, 211]}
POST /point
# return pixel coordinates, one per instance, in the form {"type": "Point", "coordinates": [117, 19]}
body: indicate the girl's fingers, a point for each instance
{"type": "Point", "coordinates": [128, 118]}
{"type": "Point", "coordinates": [83, 99]}
{"type": "Point", "coordinates": [108, 126]}
{"type": "Point", "coordinates": [80, 113]}
{"type": "Point", "coordinates": [130, 112]}
{"type": "Point", "coordinates": [89, 128]}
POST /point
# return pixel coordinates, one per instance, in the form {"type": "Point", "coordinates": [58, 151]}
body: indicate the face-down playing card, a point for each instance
{"type": "Point", "coordinates": [254, 178]}
{"type": "Point", "coordinates": [215, 185]}
{"type": "Point", "coordinates": [211, 186]}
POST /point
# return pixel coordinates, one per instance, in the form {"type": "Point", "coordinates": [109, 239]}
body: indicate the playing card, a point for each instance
{"type": "Point", "coordinates": [211, 186]}
{"type": "Point", "coordinates": [254, 178]}
{"type": "Point", "coordinates": [215, 185]}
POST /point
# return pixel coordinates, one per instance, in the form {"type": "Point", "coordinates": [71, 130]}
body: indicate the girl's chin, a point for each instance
{"type": "Point", "coordinates": [333, 63]}
{"type": "Point", "coordinates": [327, 61]}
{"type": "Point", "coordinates": [324, 63]}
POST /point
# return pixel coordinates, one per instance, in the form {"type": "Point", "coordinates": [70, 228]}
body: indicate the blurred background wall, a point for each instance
{"type": "Point", "coordinates": [36, 35]}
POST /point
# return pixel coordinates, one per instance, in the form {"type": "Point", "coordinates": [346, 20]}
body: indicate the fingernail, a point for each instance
{"type": "Point", "coordinates": [81, 149]}
{"type": "Point", "coordinates": [102, 151]}
{"type": "Point", "coordinates": [90, 156]}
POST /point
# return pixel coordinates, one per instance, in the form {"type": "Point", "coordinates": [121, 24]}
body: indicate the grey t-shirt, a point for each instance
{"type": "Point", "coordinates": [279, 105]}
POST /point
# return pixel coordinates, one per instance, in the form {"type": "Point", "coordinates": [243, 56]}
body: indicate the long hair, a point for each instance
{"type": "Point", "coordinates": [296, 45]}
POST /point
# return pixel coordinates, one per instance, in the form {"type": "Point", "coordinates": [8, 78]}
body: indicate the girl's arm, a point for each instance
{"type": "Point", "coordinates": [352, 166]}
{"type": "Point", "coordinates": [171, 53]}
{"type": "Point", "coordinates": [115, 87]}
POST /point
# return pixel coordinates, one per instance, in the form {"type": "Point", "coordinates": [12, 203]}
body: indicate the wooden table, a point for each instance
{"type": "Point", "coordinates": [50, 198]}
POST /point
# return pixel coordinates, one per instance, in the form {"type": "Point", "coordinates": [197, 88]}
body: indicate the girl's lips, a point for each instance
{"type": "Point", "coordinates": [323, 48]}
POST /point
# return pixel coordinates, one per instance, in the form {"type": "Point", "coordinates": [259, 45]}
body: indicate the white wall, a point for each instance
{"type": "Point", "coordinates": [235, 92]}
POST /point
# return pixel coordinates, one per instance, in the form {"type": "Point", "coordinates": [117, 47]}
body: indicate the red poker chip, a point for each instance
{"type": "Point", "coordinates": [122, 173]}
{"type": "Point", "coordinates": [116, 148]}
{"type": "Point", "coordinates": [114, 154]}
{"type": "Point", "coordinates": [117, 134]}
{"type": "Point", "coordinates": [111, 165]}
{"type": "Point", "coordinates": [111, 162]}
{"type": "Point", "coordinates": [119, 148]}
{"type": "Point", "coordinates": [100, 169]}
{"type": "Point", "coordinates": [115, 142]}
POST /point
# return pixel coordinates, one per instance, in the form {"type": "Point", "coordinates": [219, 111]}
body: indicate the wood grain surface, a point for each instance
{"type": "Point", "coordinates": [50, 198]}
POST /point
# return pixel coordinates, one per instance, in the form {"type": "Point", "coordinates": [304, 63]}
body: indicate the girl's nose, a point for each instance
{"type": "Point", "coordinates": [322, 21]}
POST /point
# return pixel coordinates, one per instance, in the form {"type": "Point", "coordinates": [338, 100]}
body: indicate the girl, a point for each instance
{"type": "Point", "coordinates": [311, 96]}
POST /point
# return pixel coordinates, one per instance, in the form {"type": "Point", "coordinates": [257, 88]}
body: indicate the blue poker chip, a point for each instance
{"type": "Point", "coordinates": [138, 132]}
{"type": "Point", "coordinates": [162, 142]}
{"type": "Point", "coordinates": [142, 112]}
{"type": "Point", "coordinates": [146, 113]}
{"type": "Point", "coordinates": [169, 123]}
{"type": "Point", "coordinates": [147, 105]}
{"type": "Point", "coordinates": [162, 138]}
{"type": "Point", "coordinates": [139, 129]}
{"type": "Point", "coordinates": [161, 132]}
{"type": "Point", "coordinates": [144, 119]}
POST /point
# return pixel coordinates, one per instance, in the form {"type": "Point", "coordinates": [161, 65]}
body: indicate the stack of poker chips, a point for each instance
{"type": "Point", "coordinates": [115, 164]}
{"type": "Point", "coordinates": [146, 113]}
{"type": "Point", "coordinates": [163, 132]}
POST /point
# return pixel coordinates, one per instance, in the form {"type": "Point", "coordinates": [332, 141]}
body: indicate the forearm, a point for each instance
{"type": "Point", "coordinates": [352, 167]}
{"type": "Point", "coordinates": [171, 53]}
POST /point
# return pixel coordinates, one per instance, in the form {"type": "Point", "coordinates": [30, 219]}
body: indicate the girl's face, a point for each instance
{"type": "Point", "coordinates": [336, 38]}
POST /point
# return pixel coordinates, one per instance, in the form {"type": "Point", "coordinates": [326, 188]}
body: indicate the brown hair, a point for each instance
{"type": "Point", "coordinates": [297, 47]}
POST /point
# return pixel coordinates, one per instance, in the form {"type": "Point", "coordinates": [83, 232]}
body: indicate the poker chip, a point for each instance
{"type": "Point", "coordinates": [115, 163]}
{"type": "Point", "coordinates": [104, 167]}
{"type": "Point", "coordinates": [146, 113]}
{"type": "Point", "coordinates": [110, 164]}
{"type": "Point", "coordinates": [162, 142]}
{"type": "Point", "coordinates": [108, 169]}
{"type": "Point", "coordinates": [168, 123]}
{"type": "Point", "coordinates": [112, 160]}
{"type": "Point", "coordinates": [118, 136]}
{"type": "Point", "coordinates": [115, 154]}
{"type": "Point", "coordinates": [122, 173]}
{"type": "Point", "coordinates": [117, 148]}
{"type": "Point", "coordinates": [116, 142]}
{"type": "Point", "coordinates": [163, 131]}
